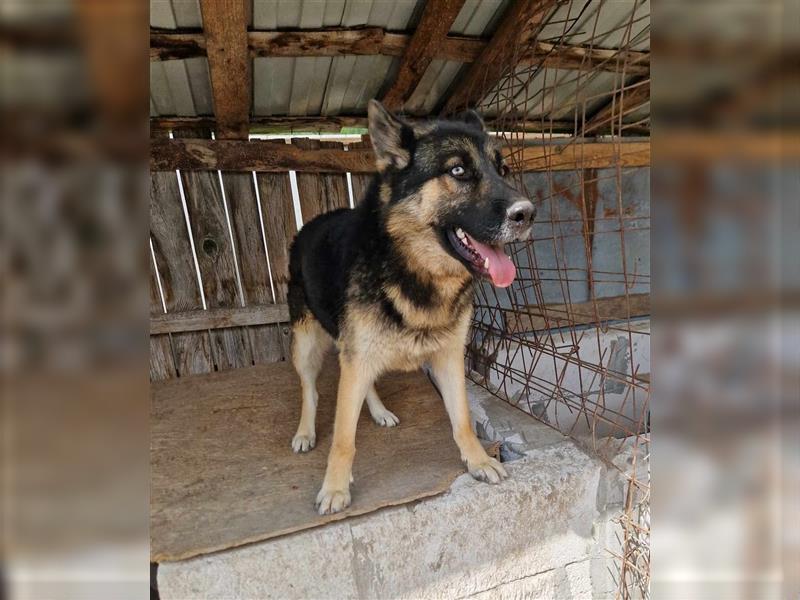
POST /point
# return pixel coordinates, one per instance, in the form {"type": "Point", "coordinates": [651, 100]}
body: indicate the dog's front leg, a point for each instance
{"type": "Point", "coordinates": [448, 369]}
{"type": "Point", "coordinates": [354, 382]}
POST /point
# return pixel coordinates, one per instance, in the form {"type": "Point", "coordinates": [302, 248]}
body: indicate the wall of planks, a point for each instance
{"type": "Point", "coordinates": [241, 246]}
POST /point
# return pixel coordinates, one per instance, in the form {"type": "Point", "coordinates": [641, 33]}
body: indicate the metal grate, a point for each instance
{"type": "Point", "coordinates": [569, 341]}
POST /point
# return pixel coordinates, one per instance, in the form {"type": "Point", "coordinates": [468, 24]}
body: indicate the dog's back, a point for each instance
{"type": "Point", "coordinates": [319, 260]}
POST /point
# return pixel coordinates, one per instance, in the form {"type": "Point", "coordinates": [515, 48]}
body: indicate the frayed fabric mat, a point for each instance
{"type": "Point", "coordinates": [223, 473]}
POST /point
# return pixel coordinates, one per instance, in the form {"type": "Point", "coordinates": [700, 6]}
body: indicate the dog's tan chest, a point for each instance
{"type": "Point", "coordinates": [388, 347]}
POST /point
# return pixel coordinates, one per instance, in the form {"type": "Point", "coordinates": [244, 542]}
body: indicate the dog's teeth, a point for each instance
{"type": "Point", "coordinates": [486, 264]}
{"type": "Point", "coordinates": [460, 233]}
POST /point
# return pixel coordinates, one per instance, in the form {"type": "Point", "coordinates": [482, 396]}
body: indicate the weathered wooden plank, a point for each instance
{"type": "Point", "coordinates": [162, 361]}
{"type": "Point", "coordinates": [428, 38]}
{"type": "Point", "coordinates": [580, 155]}
{"type": "Point", "coordinates": [336, 194]}
{"type": "Point", "coordinates": [219, 318]}
{"type": "Point", "coordinates": [370, 41]}
{"type": "Point", "coordinates": [360, 184]}
{"type": "Point", "coordinates": [192, 351]}
{"type": "Point", "coordinates": [229, 65]}
{"type": "Point", "coordinates": [520, 22]}
{"type": "Point", "coordinates": [215, 258]}
{"type": "Point", "coordinates": [601, 310]}
{"type": "Point", "coordinates": [321, 193]}
{"type": "Point", "coordinates": [360, 181]}
{"type": "Point", "coordinates": [257, 155]}
{"type": "Point", "coordinates": [335, 124]}
{"type": "Point", "coordinates": [279, 226]}
{"type": "Point", "coordinates": [254, 269]}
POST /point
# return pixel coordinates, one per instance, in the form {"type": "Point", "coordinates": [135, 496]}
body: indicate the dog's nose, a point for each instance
{"type": "Point", "coordinates": [521, 213]}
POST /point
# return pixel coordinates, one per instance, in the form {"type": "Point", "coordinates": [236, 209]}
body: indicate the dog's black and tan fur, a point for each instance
{"type": "Point", "coordinates": [386, 284]}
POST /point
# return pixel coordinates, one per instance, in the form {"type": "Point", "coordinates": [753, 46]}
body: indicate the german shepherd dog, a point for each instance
{"type": "Point", "coordinates": [389, 283]}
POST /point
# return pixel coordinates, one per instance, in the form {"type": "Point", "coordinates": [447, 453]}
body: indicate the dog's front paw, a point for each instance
{"type": "Point", "coordinates": [331, 501]}
{"type": "Point", "coordinates": [385, 418]}
{"type": "Point", "coordinates": [489, 470]}
{"type": "Point", "coordinates": [303, 443]}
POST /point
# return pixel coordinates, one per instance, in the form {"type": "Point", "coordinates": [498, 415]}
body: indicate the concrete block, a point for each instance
{"type": "Point", "coordinates": [499, 421]}
{"type": "Point", "coordinates": [314, 564]}
{"type": "Point", "coordinates": [478, 536]}
{"type": "Point", "coordinates": [473, 538]}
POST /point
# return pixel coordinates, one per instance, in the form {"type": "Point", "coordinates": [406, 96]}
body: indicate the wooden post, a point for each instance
{"type": "Point", "coordinates": [225, 26]}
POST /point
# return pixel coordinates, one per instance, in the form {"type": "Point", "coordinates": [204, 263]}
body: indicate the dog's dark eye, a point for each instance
{"type": "Point", "coordinates": [504, 170]}
{"type": "Point", "coordinates": [458, 171]}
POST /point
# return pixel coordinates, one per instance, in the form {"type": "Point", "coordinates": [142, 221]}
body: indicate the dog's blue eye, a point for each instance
{"type": "Point", "coordinates": [457, 171]}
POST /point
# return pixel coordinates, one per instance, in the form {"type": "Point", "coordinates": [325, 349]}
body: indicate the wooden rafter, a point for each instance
{"type": "Point", "coordinates": [334, 124]}
{"type": "Point", "coordinates": [521, 21]}
{"type": "Point", "coordinates": [263, 156]}
{"type": "Point", "coordinates": [623, 102]}
{"type": "Point", "coordinates": [370, 41]}
{"type": "Point", "coordinates": [430, 34]}
{"type": "Point", "coordinates": [229, 64]}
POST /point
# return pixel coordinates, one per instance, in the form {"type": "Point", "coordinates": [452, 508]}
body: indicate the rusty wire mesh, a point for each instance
{"type": "Point", "coordinates": [569, 341]}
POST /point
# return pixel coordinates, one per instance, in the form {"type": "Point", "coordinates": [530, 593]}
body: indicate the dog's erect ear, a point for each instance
{"type": "Point", "coordinates": [386, 133]}
{"type": "Point", "coordinates": [472, 118]}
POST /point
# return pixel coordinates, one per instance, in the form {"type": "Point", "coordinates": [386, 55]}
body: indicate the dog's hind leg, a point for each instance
{"type": "Point", "coordinates": [380, 414]}
{"type": "Point", "coordinates": [310, 344]}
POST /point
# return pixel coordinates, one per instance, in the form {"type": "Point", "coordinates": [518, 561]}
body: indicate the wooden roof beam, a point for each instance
{"type": "Point", "coordinates": [371, 41]}
{"type": "Point", "coordinates": [335, 124]}
{"type": "Point", "coordinates": [623, 102]}
{"type": "Point", "coordinates": [521, 21]}
{"type": "Point", "coordinates": [229, 64]}
{"type": "Point", "coordinates": [263, 156]}
{"type": "Point", "coordinates": [430, 34]}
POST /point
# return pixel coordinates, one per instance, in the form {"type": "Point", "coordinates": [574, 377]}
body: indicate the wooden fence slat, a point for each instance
{"type": "Point", "coordinates": [280, 228]}
{"type": "Point", "coordinates": [162, 362]}
{"type": "Point", "coordinates": [192, 351]}
{"type": "Point", "coordinates": [267, 345]}
{"type": "Point", "coordinates": [216, 262]}
{"type": "Point", "coordinates": [320, 193]}
{"type": "Point", "coordinates": [335, 184]}
{"type": "Point", "coordinates": [360, 181]}
{"type": "Point", "coordinates": [279, 225]}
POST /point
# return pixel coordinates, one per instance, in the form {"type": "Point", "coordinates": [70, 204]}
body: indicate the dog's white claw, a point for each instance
{"type": "Point", "coordinates": [486, 263]}
{"type": "Point", "coordinates": [332, 501]}
{"type": "Point", "coordinates": [490, 471]}
{"type": "Point", "coordinates": [303, 443]}
{"type": "Point", "coordinates": [386, 418]}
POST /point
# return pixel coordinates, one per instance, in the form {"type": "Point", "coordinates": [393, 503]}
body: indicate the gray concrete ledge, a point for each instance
{"type": "Point", "coordinates": [542, 533]}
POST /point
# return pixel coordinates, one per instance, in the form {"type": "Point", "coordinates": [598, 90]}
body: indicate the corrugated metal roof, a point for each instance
{"type": "Point", "coordinates": [343, 85]}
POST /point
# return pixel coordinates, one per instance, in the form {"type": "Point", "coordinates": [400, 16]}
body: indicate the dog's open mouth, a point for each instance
{"type": "Point", "coordinates": [487, 261]}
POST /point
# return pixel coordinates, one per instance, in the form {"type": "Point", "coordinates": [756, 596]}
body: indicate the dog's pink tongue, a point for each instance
{"type": "Point", "coordinates": [501, 269]}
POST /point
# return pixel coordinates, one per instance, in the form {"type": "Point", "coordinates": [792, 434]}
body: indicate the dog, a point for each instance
{"type": "Point", "coordinates": [389, 282]}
